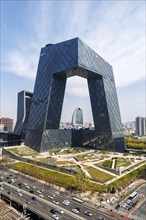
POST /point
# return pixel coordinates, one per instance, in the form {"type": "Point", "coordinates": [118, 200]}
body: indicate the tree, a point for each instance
{"type": "Point", "coordinates": [113, 190]}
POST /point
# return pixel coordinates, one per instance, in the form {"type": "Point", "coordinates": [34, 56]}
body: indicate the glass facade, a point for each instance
{"type": "Point", "coordinates": [23, 110]}
{"type": "Point", "coordinates": [77, 118]}
{"type": "Point", "coordinates": [57, 62]}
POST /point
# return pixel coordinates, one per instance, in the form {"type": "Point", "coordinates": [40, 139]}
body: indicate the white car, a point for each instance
{"type": "Point", "coordinates": [56, 217]}
{"type": "Point", "coordinates": [27, 187]}
{"type": "Point", "coordinates": [39, 192]}
{"type": "Point", "coordinates": [57, 192]}
{"type": "Point", "coordinates": [41, 195]}
{"type": "Point", "coordinates": [66, 202]}
{"type": "Point", "coordinates": [56, 202]}
{"type": "Point", "coordinates": [60, 211]}
{"type": "Point", "coordinates": [88, 213]}
{"type": "Point", "coordinates": [17, 190]}
{"type": "Point", "coordinates": [75, 211]}
{"type": "Point", "coordinates": [19, 194]}
{"type": "Point", "coordinates": [1, 188]}
{"type": "Point", "coordinates": [50, 197]}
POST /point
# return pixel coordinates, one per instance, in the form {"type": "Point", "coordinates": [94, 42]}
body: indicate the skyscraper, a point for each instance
{"type": "Point", "coordinates": [23, 110]}
{"type": "Point", "coordinates": [141, 126]}
{"type": "Point", "coordinates": [77, 118]}
{"type": "Point", "coordinates": [58, 62]}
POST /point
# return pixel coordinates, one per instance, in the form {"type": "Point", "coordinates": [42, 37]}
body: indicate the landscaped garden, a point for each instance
{"type": "Point", "coordinates": [53, 177]}
{"type": "Point", "coordinates": [98, 175]}
{"type": "Point", "coordinates": [23, 151]}
{"type": "Point", "coordinates": [136, 143]}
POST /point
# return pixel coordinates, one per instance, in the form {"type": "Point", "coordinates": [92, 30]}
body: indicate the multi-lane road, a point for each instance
{"type": "Point", "coordinates": [46, 199]}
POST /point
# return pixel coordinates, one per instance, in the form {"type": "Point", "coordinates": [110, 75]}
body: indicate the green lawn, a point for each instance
{"type": "Point", "coordinates": [65, 163]}
{"type": "Point", "coordinates": [56, 178]}
{"type": "Point", "coordinates": [69, 151]}
{"type": "Point", "coordinates": [80, 158]}
{"type": "Point", "coordinates": [99, 175]}
{"type": "Point", "coordinates": [125, 180]}
{"type": "Point", "coordinates": [121, 162]}
{"type": "Point", "coordinates": [23, 151]}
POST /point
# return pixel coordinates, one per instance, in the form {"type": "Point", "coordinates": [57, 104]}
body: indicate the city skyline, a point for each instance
{"type": "Point", "coordinates": [118, 30]}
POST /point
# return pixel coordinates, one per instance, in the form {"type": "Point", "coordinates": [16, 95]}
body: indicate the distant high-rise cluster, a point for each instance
{"type": "Point", "coordinates": [6, 124]}
{"type": "Point", "coordinates": [141, 126]}
{"type": "Point", "coordinates": [129, 128]}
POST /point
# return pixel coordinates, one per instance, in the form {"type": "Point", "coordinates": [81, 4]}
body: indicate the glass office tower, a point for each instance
{"type": "Point", "coordinates": [77, 118]}
{"type": "Point", "coordinates": [56, 63]}
{"type": "Point", "coordinates": [23, 110]}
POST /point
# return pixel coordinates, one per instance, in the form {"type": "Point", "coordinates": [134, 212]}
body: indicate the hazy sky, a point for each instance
{"type": "Point", "coordinates": [114, 29]}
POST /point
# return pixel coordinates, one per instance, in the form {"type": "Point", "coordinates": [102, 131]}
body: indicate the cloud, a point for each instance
{"type": "Point", "coordinates": [114, 29]}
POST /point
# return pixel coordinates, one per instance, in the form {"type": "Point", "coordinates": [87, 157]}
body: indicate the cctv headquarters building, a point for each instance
{"type": "Point", "coordinates": [58, 62]}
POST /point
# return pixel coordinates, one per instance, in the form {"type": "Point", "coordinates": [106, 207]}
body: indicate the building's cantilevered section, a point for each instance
{"type": "Point", "coordinates": [23, 110]}
{"type": "Point", "coordinates": [57, 62]}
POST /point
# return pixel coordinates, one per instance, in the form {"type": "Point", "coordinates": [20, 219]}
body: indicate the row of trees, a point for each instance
{"type": "Point", "coordinates": [136, 143]}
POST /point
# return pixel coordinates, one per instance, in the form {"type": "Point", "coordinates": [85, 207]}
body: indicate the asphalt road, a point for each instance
{"type": "Point", "coordinates": [43, 205]}
{"type": "Point", "coordinates": [140, 212]}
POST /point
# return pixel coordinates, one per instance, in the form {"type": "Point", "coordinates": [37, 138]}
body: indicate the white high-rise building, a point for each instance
{"type": "Point", "coordinates": [77, 118]}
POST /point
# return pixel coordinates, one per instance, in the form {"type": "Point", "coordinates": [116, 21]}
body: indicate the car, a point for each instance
{"type": "Point", "coordinates": [31, 191]}
{"type": "Point", "coordinates": [1, 177]}
{"type": "Point", "coordinates": [75, 211]}
{"type": "Point", "coordinates": [33, 187]}
{"type": "Point", "coordinates": [7, 177]}
{"type": "Point", "coordinates": [27, 187]}
{"type": "Point", "coordinates": [66, 202]}
{"type": "Point", "coordinates": [53, 211]}
{"type": "Point", "coordinates": [88, 213]}
{"type": "Point", "coordinates": [57, 192]}
{"type": "Point", "coordinates": [79, 209]}
{"type": "Point", "coordinates": [117, 206]}
{"type": "Point", "coordinates": [124, 205]}
{"type": "Point", "coordinates": [39, 192]}
{"type": "Point", "coordinates": [56, 217]}
{"type": "Point", "coordinates": [17, 190]}
{"type": "Point", "coordinates": [102, 218]}
{"type": "Point", "coordinates": [25, 184]}
{"type": "Point", "coordinates": [34, 198]}
{"type": "Point", "coordinates": [9, 192]}
{"type": "Point", "coordinates": [1, 184]}
{"type": "Point", "coordinates": [56, 202]}
{"type": "Point", "coordinates": [134, 204]}
{"type": "Point", "coordinates": [60, 211]}
{"type": "Point", "coordinates": [27, 201]}
{"type": "Point", "coordinates": [1, 188]}
{"type": "Point", "coordinates": [41, 195]}
{"type": "Point", "coordinates": [19, 194]}
{"type": "Point", "coordinates": [129, 202]}
{"type": "Point", "coordinates": [50, 197]}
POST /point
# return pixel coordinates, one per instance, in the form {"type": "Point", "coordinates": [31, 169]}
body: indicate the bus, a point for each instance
{"type": "Point", "coordinates": [133, 196]}
{"type": "Point", "coordinates": [77, 200]}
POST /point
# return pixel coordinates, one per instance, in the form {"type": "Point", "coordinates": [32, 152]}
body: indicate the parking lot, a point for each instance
{"type": "Point", "coordinates": [134, 205]}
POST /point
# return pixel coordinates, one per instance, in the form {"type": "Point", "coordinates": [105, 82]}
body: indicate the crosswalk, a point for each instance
{"type": "Point", "coordinates": [135, 217]}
